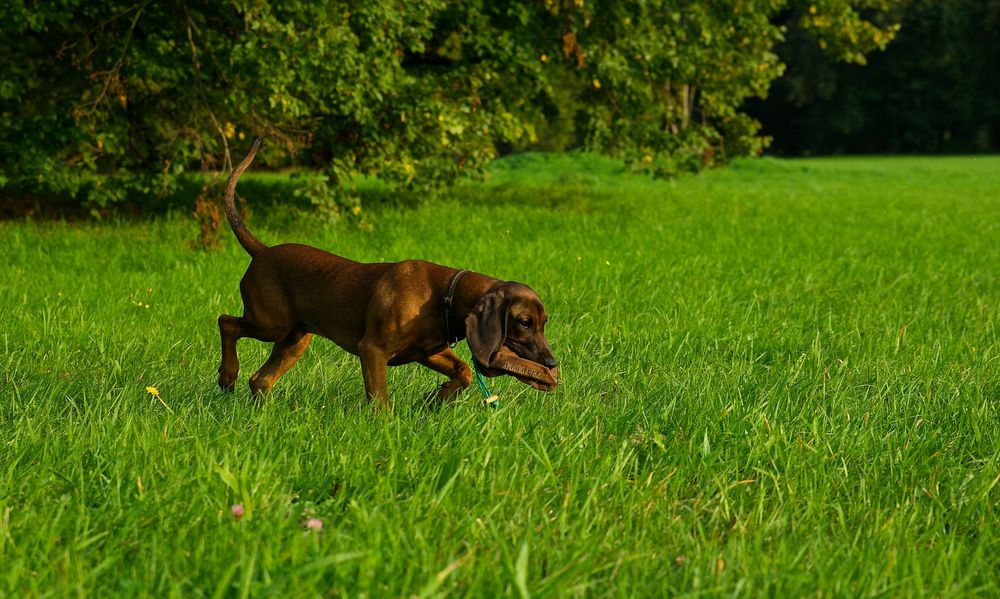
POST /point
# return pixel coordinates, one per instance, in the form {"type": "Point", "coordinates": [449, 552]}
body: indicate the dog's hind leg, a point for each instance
{"type": "Point", "coordinates": [230, 330]}
{"type": "Point", "coordinates": [458, 373]}
{"type": "Point", "coordinates": [284, 355]}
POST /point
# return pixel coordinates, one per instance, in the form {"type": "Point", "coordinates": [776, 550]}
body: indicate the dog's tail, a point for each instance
{"type": "Point", "coordinates": [250, 243]}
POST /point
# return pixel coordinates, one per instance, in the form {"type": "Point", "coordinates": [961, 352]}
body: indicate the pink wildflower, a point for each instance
{"type": "Point", "coordinates": [314, 524]}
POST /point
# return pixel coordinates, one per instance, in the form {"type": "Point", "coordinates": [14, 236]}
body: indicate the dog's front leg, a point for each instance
{"type": "Point", "coordinates": [458, 373]}
{"type": "Point", "coordinates": [374, 362]}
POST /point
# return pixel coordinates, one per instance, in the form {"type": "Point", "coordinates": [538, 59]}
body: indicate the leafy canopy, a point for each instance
{"type": "Point", "coordinates": [417, 93]}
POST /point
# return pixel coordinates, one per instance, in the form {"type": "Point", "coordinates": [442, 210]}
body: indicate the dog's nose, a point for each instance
{"type": "Point", "coordinates": [549, 362]}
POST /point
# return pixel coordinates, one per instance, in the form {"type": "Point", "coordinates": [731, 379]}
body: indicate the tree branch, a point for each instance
{"type": "Point", "coordinates": [227, 163]}
{"type": "Point", "coordinates": [115, 68]}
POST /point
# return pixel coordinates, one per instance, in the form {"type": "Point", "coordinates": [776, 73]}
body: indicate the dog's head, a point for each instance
{"type": "Point", "coordinates": [506, 332]}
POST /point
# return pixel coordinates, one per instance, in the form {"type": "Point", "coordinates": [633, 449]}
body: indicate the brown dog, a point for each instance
{"type": "Point", "coordinates": [387, 314]}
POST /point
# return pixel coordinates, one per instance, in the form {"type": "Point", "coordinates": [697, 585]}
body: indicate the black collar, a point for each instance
{"type": "Point", "coordinates": [450, 339]}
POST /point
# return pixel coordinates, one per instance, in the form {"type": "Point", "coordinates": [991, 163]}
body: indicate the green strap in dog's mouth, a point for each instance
{"type": "Point", "coordinates": [488, 398]}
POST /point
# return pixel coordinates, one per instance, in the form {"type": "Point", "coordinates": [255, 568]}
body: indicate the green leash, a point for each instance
{"type": "Point", "coordinates": [488, 398]}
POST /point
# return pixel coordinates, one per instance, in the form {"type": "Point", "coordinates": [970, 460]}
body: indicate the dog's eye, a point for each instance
{"type": "Point", "coordinates": [524, 323]}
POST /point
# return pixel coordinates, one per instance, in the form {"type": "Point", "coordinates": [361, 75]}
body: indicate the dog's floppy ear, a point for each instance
{"type": "Point", "coordinates": [485, 327]}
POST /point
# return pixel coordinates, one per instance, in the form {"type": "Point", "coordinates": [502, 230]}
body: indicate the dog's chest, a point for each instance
{"type": "Point", "coordinates": [416, 354]}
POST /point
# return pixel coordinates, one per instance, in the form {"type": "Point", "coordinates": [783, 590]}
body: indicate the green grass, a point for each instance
{"type": "Point", "coordinates": [781, 378]}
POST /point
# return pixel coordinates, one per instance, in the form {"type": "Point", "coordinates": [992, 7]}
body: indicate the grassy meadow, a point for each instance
{"type": "Point", "coordinates": [780, 378]}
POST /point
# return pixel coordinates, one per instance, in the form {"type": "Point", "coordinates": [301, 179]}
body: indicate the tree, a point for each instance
{"type": "Point", "coordinates": [417, 93]}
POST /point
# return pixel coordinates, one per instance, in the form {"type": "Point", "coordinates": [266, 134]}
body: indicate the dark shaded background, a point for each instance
{"type": "Point", "coordinates": [935, 89]}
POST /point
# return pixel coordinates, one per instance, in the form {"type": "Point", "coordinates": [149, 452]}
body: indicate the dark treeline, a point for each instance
{"type": "Point", "coordinates": [935, 89]}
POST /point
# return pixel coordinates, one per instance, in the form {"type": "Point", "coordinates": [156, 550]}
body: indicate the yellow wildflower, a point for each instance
{"type": "Point", "coordinates": [544, 58]}
{"type": "Point", "coordinates": [356, 210]}
{"type": "Point", "coordinates": [597, 84]}
{"type": "Point", "coordinates": [156, 393]}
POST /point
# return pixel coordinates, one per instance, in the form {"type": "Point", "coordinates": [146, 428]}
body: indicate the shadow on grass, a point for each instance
{"type": "Point", "coordinates": [575, 194]}
{"type": "Point", "coordinates": [564, 181]}
{"type": "Point", "coordinates": [265, 189]}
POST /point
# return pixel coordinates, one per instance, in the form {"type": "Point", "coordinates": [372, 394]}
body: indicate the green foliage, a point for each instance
{"type": "Point", "coordinates": [416, 93]}
{"type": "Point", "coordinates": [779, 381]}
{"type": "Point", "coordinates": [840, 31]}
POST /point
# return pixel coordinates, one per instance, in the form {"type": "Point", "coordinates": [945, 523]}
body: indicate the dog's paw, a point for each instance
{"type": "Point", "coordinates": [441, 395]}
{"type": "Point", "coordinates": [227, 382]}
{"type": "Point", "coordinates": [450, 390]}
